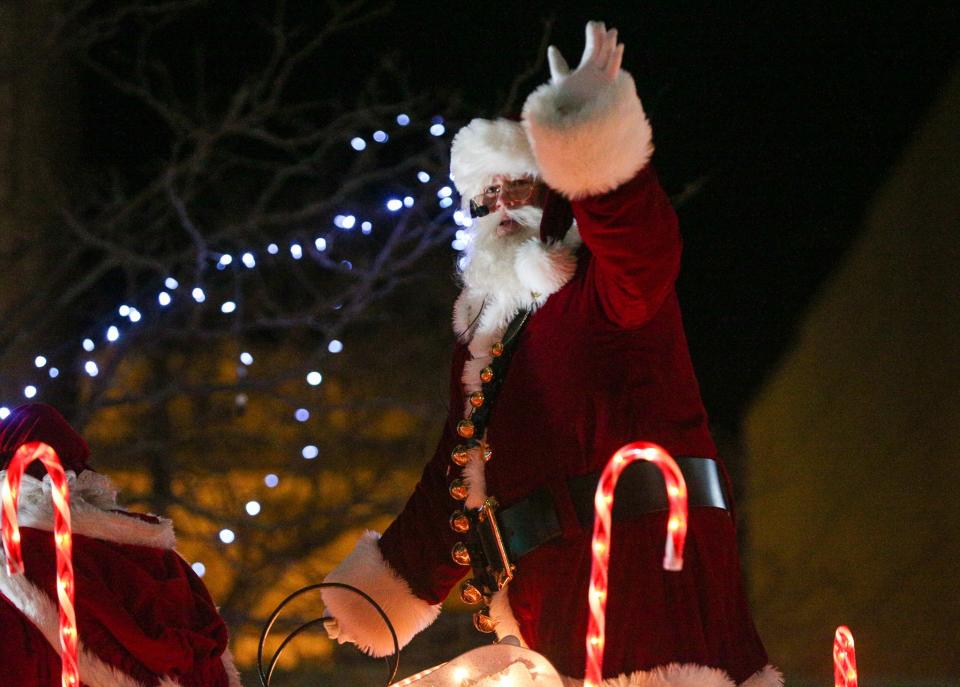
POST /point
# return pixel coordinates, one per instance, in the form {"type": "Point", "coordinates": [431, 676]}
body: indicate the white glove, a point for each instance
{"type": "Point", "coordinates": [598, 67]}
{"type": "Point", "coordinates": [333, 629]}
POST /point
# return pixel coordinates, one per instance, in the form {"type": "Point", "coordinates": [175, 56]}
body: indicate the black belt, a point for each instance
{"type": "Point", "coordinates": [525, 525]}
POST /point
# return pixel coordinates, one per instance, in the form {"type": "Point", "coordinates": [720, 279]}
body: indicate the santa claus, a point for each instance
{"type": "Point", "coordinates": [144, 618]}
{"type": "Point", "coordinates": [570, 344]}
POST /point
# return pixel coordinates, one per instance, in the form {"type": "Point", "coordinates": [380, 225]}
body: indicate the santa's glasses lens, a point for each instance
{"type": "Point", "coordinates": [512, 192]}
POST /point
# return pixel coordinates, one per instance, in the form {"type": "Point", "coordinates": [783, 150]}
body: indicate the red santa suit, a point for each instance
{"type": "Point", "coordinates": [603, 361]}
{"type": "Point", "coordinates": [144, 618]}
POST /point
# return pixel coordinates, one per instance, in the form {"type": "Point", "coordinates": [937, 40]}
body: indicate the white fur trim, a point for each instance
{"type": "Point", "coordinates": [474, 474]}
{"type": "Point", "coordinates": [366, 569]}
{"type": "Point", "coordinates": [588, 148]}
{"type": "Point", "coordinates": [768, 676]}
{"type": "Point", "coordinates": [92, 500]}
{"type": "Point", "coordinates": [505, 622]}
{"type": "Point", "coordinates": [485, 148]}
{"type": "Point", "coordinates": [670, 675]}
{"type": "Point", "coordinates": [233, 675]}
{"type": "Point", "coordinates": [685, 675]}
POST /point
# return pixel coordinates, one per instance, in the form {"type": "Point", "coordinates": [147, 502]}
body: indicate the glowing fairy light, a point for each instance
{"type": "Point", "coordinates": [301, 415]}
{"type": "Point", "coordinates": [112, 333]}
{"type": "Point", "coordinates": [437, 129]}
{"type": "Point", "coordinates": [403, 119]}
{"type": "Point", "coordinates": [135, 315]}
{"type": "Point", "coordinates": [320, 244]}
{"type": "Point", "coordinates": [252, 508]}
{"type": "Point", "coordinates": [394, 204]}
{"type": "Point", "coordinates": [29, 391]}
{"type": "Point", "coordinates": [310, 452]}
{"type": "Point", "coordinates": [54, 372]}
{"type": "Point", "coordinates": [273, 249]}
{"type": "Point", "coordinates": [39, 361]}
{"type": "Point", "coordinates": [248, 260]}
{"type": "Point", "coordinates": [225, 260]}
{"type": "Point", "coordinates": [423, 177]}
{"type": "Point", "coordinates": [296, 251]}
{"type": "Point", "coordinates": [408, 201]}
{"type": "Point", "coordinates": [603, 504]}
{"type": "Point", "coordinates": [246, 358]}
{"type": "Point", "coordinates": [844, 658]}
{"type": "Point", "coordinates": [314, 378]}
{"type": "Point", "coordinates": [4, 412]}
{"type": "Point", "coordinates": [380, 136]}
{"type": "Point", "coordinates": [227, 536]}
{"type": "Point", "coordinates": [63, 542]}
{"type": "Point", "coordinates": [228, 307]}
{"type": "Point", "coordinates": [366, 227]}
{"type": "Point", "coordinates": [124, 310]}
{"type": "Point", "coordinates": [171, 283]}
{"type": "Point", "coordinates": [444, 192]}
{"type": "Point", "coordinates": [198, 295]}
{"type": "Point", "coordinates": [88, 345]}
{"type": "Point", "coordinates": [335, 346]}
{"type": "Point", "coordinates": [357, 143]}
{"type": "Point", "coordinates": [164, 299]}
{"type": "Point", "coordinates": [445, 202]}
{"type": "Point", "coordinates": [271, 480]}
{"type": "Point", "coordinates": [91, 368]}
{"type": "Point", "coordinates": [199, 568]}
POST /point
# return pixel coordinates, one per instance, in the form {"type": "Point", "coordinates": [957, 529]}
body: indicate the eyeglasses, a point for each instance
{"type": "Point", "coordinates": [513, 192]}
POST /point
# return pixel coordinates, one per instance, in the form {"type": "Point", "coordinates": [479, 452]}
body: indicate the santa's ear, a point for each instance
{"type": "Point", "coordinates": [557, 216]}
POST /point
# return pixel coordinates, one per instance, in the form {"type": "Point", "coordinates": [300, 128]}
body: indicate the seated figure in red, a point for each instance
{"type": "Point", "coordinates": [144, 617]}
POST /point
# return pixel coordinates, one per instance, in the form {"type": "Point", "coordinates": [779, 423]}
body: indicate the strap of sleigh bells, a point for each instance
{"type": "Point", "coordinates": [488, 558]}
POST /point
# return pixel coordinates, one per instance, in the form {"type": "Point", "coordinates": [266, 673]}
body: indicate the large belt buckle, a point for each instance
{"type": "Point", "coordinates": [494, 548]}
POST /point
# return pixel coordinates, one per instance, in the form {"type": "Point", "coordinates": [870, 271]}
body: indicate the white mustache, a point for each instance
{"type": "Point", "coordinates": [527, 215]}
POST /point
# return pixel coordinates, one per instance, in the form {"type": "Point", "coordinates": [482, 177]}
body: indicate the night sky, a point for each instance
{"type": "Point", "coordinates": [788, 119]}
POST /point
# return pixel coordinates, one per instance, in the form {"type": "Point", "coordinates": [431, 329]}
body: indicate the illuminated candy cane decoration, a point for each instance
{"type": "Point", "coordinates": [26, 454]}
{"type": "Point", "coordinates": [844, 658]}
{"type": "Point", "coordinates": [603, 503]}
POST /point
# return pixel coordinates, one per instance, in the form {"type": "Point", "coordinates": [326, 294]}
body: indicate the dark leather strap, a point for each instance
{"type": "Point", "coordinates": [527, 524]}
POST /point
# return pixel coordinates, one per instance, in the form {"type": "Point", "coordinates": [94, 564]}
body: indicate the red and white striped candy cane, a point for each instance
{"type": "Point", "coordinates": [26, 454]}
{"type": "Point", "coordinates": [603, 503]}
{"type": "Point", "coordinates": [844, 658]}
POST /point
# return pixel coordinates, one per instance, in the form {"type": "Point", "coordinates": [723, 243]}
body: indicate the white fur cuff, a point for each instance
{"type": "Point", "coordinates": [366, 569]}
{"type": "Point", "coordinates": [686, 675]}
{"type": "Point", "coordinates": [589, 148]}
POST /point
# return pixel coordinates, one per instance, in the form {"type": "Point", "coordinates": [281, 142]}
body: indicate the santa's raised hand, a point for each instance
{"type": "Point", "coordinates": [600, 64]}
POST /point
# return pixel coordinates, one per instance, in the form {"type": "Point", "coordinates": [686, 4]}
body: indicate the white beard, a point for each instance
{"type": "Point", "coordinates": [490, 265]}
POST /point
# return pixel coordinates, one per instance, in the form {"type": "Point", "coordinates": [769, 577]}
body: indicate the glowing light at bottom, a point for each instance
{"type": "Point", "coordinates": [603, 504]}
{"type": "Point", "coordinates": [63, 540]}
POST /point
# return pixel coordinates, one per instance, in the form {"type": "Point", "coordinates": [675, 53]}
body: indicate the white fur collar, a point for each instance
{"type": "Point", "coordinates": [93, 511]}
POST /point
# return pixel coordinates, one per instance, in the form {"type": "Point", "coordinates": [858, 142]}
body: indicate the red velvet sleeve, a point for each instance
{"type": "Point", "coordinates": [633, 236]}
{"type": "Point", "coordinates": [417, 544]}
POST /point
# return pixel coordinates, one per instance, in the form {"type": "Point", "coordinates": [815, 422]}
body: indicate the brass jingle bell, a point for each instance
{"type": "Point", "coordinates": [459, 554]}
{"type": "Point", "coordinates": [470, 594]}
{"type": "Point", "coordinates": [459, 522]}
{"type": "Point", "coordinates": [465, 429]}
{"type": "Point", "coordinates": [483, 622]}
{"type": "Point", "coordinates": [460, 455]}
{"type": "Point", "coordinates": [497, 349]}
{"type": "Point", "coordinates": [486, 374]}
{"type": "Point", "coordinates": [476, 399]}
{"type": "Point", "coordinates": [458, 489]}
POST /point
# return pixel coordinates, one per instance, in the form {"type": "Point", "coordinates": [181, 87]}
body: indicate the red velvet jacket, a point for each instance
{"type": "Point", "coordinates": [602, 363]}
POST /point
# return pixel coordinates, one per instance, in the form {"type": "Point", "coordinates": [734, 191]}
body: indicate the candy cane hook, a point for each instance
{"type": "Point", "coordinates": [9, 492]}
{"type": "Point", "coordinates": [603, 503]}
